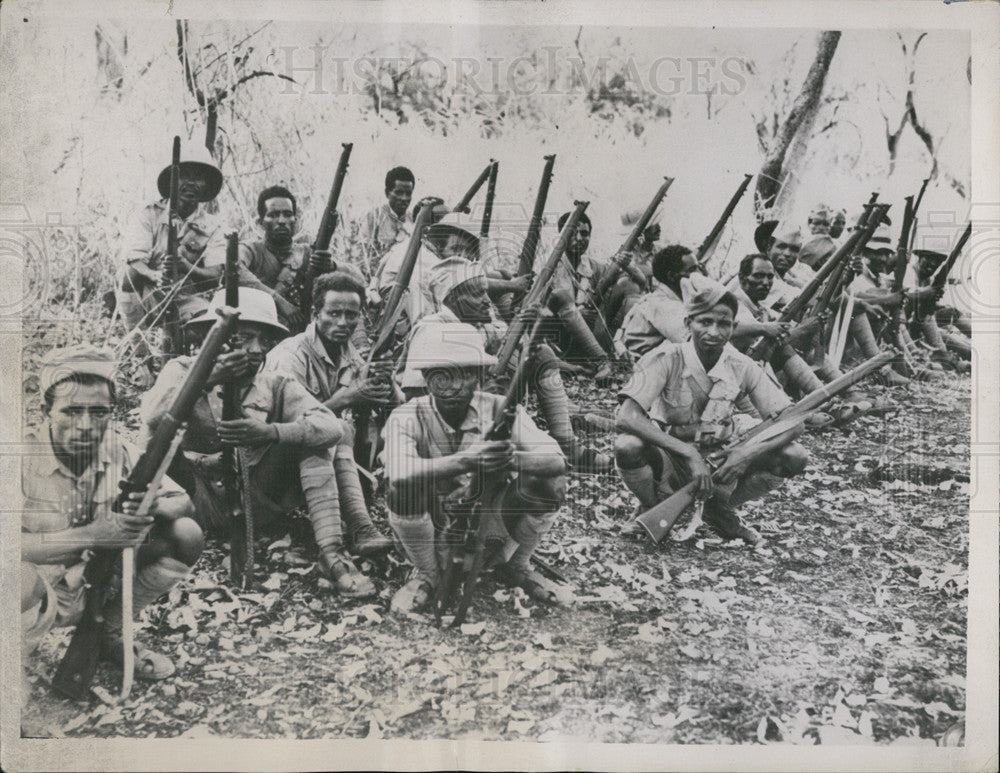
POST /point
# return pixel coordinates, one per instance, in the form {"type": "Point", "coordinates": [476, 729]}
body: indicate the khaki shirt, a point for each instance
{"type": "Point", "coordinates": [272, 397]}
{"type": "Point", "coordinates": [418, 299]}
{"type": "Point", "coordinates": [815, 252]}
{"type": "Point", "coordinates": [656, 317]}
{"type": "Point", "coordinates": [671, 385]}
{"type": "Point", "coordinates": [276, 272]}
{"type": "Point", "coordinates": [55, 499]}
{"type": "Point", "coordinates": [415, 430]}
{"type": "Point", "coordinates": [305, 357]}
{"type": "Point", "coordinates": [382, 229]}
{"type": "Point", "coordinates": [145, 240]}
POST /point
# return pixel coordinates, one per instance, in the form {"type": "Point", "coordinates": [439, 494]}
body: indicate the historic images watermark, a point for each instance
{"type": "Point", "coordinates": [551, 70]}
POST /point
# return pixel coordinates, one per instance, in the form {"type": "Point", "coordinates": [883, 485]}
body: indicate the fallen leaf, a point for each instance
{"type": "Point", "coordinates": [601, 654]}
{"type": "Point", "coordinates": [473, 629]}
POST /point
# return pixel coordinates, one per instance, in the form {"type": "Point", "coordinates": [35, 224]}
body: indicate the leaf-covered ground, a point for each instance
{"type": "Point", "coordinates": [845, 625]}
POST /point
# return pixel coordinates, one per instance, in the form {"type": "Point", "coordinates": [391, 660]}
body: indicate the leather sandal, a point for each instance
{"type": "Point", "coordinates": [349, 582]}
{"type": "Point", "coordinates": [535, 585]}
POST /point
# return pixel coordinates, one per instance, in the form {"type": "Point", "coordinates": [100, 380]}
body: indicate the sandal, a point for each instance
{"type": "Point", "coordinates": [149, 665]}
{"type": "Point", "coordinates": [535, 585]}
{"type": "Point", "coordinates": [349, 582]}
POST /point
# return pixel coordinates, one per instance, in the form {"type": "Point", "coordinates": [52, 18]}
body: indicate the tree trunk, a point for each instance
{"type": "Point", "coordinates": [798, 123]}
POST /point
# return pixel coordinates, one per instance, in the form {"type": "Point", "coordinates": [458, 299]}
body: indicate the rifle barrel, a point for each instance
{"type": "Point", "coordinates": [463, 203]}
{"type": "Point", "coordinates": [526, 259]}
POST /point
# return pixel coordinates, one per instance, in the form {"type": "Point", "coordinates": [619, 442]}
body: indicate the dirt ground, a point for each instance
{"type": "Point", "coordinates": [846, 625]}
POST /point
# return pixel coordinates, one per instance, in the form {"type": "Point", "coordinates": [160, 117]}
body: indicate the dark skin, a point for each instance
{"type": "Point", "coordinates": [783, 255]}
{"type": "Point", "coordinates": [336, 321]}
{"type": "Point", "coordinates": [279, 222]}
{"type": "Point", "coordinates": [399, 197]}
{"type": "Point", "coordinates": [710, 332]}
{"type": "Point", "coordinates": [757, 284]}
{"type": "Point", "coordinates": [689, 266]}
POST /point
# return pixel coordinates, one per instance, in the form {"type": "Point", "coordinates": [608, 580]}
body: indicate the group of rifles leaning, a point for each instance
{"type": "Point", "coordinates": [410, 350]}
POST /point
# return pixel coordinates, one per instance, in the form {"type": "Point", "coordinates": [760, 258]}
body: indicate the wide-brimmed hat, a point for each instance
{"type": "Point", "coordinates": [454, 224]}
{"type": "Point", "coordinates": [80, 360]}
{"type": "Point", "coordinates": [255, 306]}
{"type": "Point", "coordinates": [881, 240]}
{"type": "Point", "coordinates": [447, 345]}
{"type": "Point", "coordinates": [199, 161]}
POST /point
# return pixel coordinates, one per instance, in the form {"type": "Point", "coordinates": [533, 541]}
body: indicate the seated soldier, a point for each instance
{"type": "Point", "coordinates": [70, 485]}
{"type": "Point", "coordinates": [659, 316]}
{"type": "Point", "coordinates": [434, 443]}
{"type": "Point", "coordinates": [925, 311]}
{"type": "Point", "coordinates": [144, 248]}
{"type": "Point", "coordinates": [386, 226]}
{"type": "Point", "coordinates": [679, 408]}
{"type": "Point", "coordinates": [581, 326]}
{"type": "Point", "coordinates": [618, 295]}
{"type": "Point", "coordinates": [284, 437]}
{"type": "Point", "coordinates": [459, 290]}
{"type": "Point", "coordinates": [782, 247]}
{"type": "Point", "coordinates": [821, 246]}
{"type": "Point", "coordinates": [324, 361]}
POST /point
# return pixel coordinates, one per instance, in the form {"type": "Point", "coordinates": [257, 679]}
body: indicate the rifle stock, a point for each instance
{"type": "Point", "coordinates": [526, 260]}
{"type": "Point", "coordinates": [79, 663]}
{"type": "Point", "coordinates": [707, 247]}
{"type": "Point", "coordinates": [538, 290]}
{"type": "Point", "coordinates": [660, 519]}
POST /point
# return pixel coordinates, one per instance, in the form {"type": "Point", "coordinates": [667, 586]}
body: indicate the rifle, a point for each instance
{"type": "Point", "coordinates": [539, 289]}
{"type": "Point", "coordinates": [241, 558]}
{"type": "Point", "coordinates": [327, 225]}
{"type": "Point", "coordinates": [916, 206]}
{"type": "Point", "coordinates": [660, 519]}
{"type": "Point", "coordinates": [491, 192]}
{"type": "Point", "coordinates": [463, 203]}
{"type": "Point", "coordinates": [624, 254]}
{"type": "Point", "coordinates": [171, 276]}
{"type": "Point", "coordinates": [762, 348]}
{"type": "Point", "coordinates": [711, 241]}
{"type": "Point", "coordinates": [476, 527]}
{"type": "Point", "coordinates": [940, 277]}
{"type": "Point", "coordinates": [79, 663]}
{"type": "Point", "coordinates": [384, 334]}
{"type": "Point", "coordinates": [526, 260]}
{"type": "Point", "coordinates": [899, 269]}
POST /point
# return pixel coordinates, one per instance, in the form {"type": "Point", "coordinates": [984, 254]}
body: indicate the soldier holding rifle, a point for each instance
{"type": "Point", "coordinates": [286, 436]}
{"type": "Point", "coordinates": [70, 483]}
{"type": "Point", "coordinates": [433, 445]}
{"type": "Point", "coordinates": [679, 407]}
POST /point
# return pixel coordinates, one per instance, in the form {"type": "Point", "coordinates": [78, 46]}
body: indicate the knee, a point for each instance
{"type": "Point", "coordinates": [185, 540]}
{"type": "Point", "coordinates": [792, 460]}
{"type": "Point", "coordinates": [630, 451]}
{"type": "Point", "coordinates": [560, 299]}
{"type": "Point", "coordinates": [549, 493]}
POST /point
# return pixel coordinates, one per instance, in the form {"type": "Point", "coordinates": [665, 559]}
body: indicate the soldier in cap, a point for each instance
{"type": "Point", "coordinates": [459, 290]}
{"type": "Point", "coordinates": [285, 436]}
{"type": "Point", "coordinates": [636, 273]}
{"type": "Point", "coordinates": [70, 483]}
{"type": "Point", "coordinates": [433, 445]}
{"type": "Point", "coordinates": [144, 244]}
{"type": "Point", "coordinates": [950, 349]}
{"type": "Point", "coordinates": [821, 246]}
{"type": "Point", "coordinates": [679, 407]}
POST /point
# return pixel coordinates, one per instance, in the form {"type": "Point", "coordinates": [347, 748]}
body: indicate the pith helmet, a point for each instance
{"type": "Point", "coordinates": [255, 306]}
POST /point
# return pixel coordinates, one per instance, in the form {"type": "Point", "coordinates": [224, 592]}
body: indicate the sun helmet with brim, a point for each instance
{"type": "Point", "coordinates": [256, 306]}
{"type": "Point", "coordinates": [448, 345]}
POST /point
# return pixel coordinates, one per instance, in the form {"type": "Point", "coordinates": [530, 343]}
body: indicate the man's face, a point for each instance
{"type": "Point", "coordinates": [819, 224]}
{"type": "Point", "coordinates": [784, 255]}
{"type": "Point", "coordinates": [399, 196]}
{"type": "Point", "coordinates": [470, 301]}
{"type": "Point", "coordinates": [711, 330]}
{"type": "Point", "coordinates": [191, 188]}
{"type": "Point", "coordinates": [456, 245]}
{"type": "Point", "coordinates": [452, 388]}
{"type": "Point", "coordinates": [579, 241]}
{"type": "Point", "coordinates": [78, 417]}
{"type": "Point", "coordinates": [256, 340]}
{"type": "Point", "coordinates": [278, 221]}
{"type": "Point", "coordinates": [926, 266]}
{"type": "Point", "coordinates": [690, 266]}
{"type": "Point", "coordinates": [339, 316]}
{"type": "Point", "coordinates": [837, 226]}
{"type": "Point", "coordinates": [878, 260]}
{"type": "Point", "coordinates": [757, 284]}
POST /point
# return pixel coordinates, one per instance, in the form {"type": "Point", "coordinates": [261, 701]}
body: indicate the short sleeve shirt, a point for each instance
{"type": "Point", "coordinates": [419, 300]}
{"type": "Point", "coordinates": [415, 430]}
{"type": "Point", "coordinates": [671, 385]}
{"type": "Point", "coordinates": [305, 357]}
{"type": "Point", "coordinates": [656, 317]}
{"type": "Point", "coordinates": [145, 239]}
